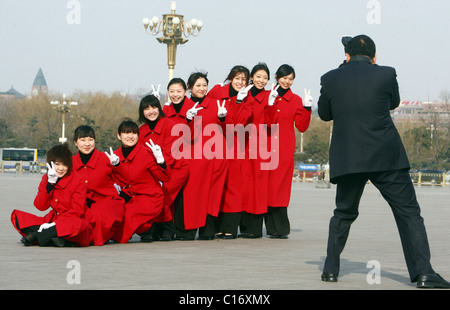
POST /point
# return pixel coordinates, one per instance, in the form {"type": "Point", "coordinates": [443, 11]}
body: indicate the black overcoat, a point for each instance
{"type": "Point", "coordinates": [358, 98]}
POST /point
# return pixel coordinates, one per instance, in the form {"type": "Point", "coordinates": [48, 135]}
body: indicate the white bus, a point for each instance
{"type": "Point", "coordinates": [25, 158]}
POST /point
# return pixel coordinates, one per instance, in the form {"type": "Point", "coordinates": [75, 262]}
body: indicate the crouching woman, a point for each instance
{"type": "Point", "coordinates": [64, 192]}
{"type": "Point", "coordinates": [140, 171]}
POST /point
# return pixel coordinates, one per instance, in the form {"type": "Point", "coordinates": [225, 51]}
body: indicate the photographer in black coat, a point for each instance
{"type": "Point", "coordinates": [365, 145]}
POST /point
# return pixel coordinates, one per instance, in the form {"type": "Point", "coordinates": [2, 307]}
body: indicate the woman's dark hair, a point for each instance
{"type": "Point", "coordinates": [361, 45]}
{"type": "Point", "coordinates": [236, 70]}
{"type": "Point", "coordinates": [149, 101]}
{"type": "Point", "coordinates": [60, 153]}
{"type": "Point", "coordinates": [177, 81]}
{"type": "Point", "coordinates": [284, 70]}
{"type": "Point", "coordinates": [260, 66]}
{"type": "Point", "coordinates": [127, 126]}
{"type": "Point", "coordinates": [83, 131]}
{"type": "Point", "coordinates": [194, 77]}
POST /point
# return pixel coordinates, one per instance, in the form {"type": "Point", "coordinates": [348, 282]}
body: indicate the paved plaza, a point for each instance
{"type": "Point", "coordinates": [225, 265]}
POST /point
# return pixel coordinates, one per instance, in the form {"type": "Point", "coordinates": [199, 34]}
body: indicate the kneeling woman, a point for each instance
{"type": "Point", "coordinates": [64, 191]}
{"type": "Point", "coordinates": [139, 173]}
{"type": "Point", "coordinates": [104, 203]}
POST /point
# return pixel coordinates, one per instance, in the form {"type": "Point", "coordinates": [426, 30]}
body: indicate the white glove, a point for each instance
{"type": "Point", "coordinates": [113, 158]}
{"type": "Point", "coordinates": [155, 92]}
{"type": "Point", "coordinates": [222, 111]}
{"type": "Point", "coordinates": [156, 149]}
{"type": "Point", "coordinates": [118, 188]}
{"type": "Point", "coordinates": [46, 226]}
{"type": "Point", "coordinates": [307, 101]}
{"type": "Point", "coordinates": [192, 112]}
{"type": "Point", "coordinates": [51, 173]}
{"type": "Point", "coordinates": [243, 93]}
{"type": "Point", "coordinates": [273, 95]}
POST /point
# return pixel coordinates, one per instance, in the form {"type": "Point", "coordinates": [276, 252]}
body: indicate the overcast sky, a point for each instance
{"type": "Point", "coordinates": [108, 50]}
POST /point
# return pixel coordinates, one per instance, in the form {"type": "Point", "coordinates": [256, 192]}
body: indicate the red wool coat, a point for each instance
{"type": "Point", "coordinates": [162, 136]}
{"type": "Point", "coordinates": [107, 208]}
{"type": "Point", "coordinates": [198, 193]}
{"type": "Point", "coordinates": [233, 195]}
{"type": "Point", "coordinates": [67, 201]}
{"type": "Point", "coordinates": [287, 111]}
{"type": "Point", "coordinates": [139, 177]}
{"type": "Point", "coordinates": [255, 176]}
{"type": "Point", "coordinates": [210, 169]}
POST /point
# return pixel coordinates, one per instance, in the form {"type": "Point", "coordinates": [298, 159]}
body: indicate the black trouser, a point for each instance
{"type": "Point", "coordinates": [44, 237]}
{"type": "Point", "coordinates": [397, 189]}
{"type": "Point", "coordinates": [277, 221]}
{"type": "Point", "coordinates": [252, 224]}
{"type": "Point", "coordinates": [178, 218]}
{"type": "Point", "coordinates": [228, 222]}
{"type": "Point", "coordinates": [206, 231]}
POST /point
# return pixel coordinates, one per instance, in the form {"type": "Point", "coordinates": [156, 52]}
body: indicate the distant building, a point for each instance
{"type": "Point", "coordinates": [39, 84]}
{"type": "Point", "coordinates": [421, 112]}
{"type": "Point", "coordinates": [11, 94]}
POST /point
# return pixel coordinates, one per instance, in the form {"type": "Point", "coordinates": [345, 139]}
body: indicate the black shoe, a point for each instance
{"type": "Point", "coordinates": [249, 236]}
{"type": "Point", "coordinates": [432, 281]}
{"type": "Point", "coordinates": [329, 277]}
{"type": "Point", "coordinates": [29, 239]}
{"type": "Point", "coordinates": [228, 236]}
{"type": "Point", "coordinates": [184, 238]}
{"type": "Point", "coordinates": [59, 242]}
{"type": "Point", "coordinates": [219, 235]}
{"type": "Point", "coordinates": [206, 237]}
{"type": "Point", "coordinates": [165, 238]}
{"type": "Point", "coordinates": [147, 238]}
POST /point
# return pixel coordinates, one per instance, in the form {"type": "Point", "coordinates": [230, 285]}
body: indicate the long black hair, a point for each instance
{"type": "Point", "coordinates": [149, 101]}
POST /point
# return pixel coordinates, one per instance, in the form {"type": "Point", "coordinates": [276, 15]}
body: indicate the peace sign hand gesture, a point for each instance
{"type": "Point", "coordinates": [243, 93]}
{"type": "Point", "coordinates": [113, 158]}
{"type": "Point", "coordinates": [155, 92]}
{"type": "Point", "coordinates": [273, 94]}
{"type": "Point", "coordinates": [192, 112]}
{"type": "Point", "coordinates": [157, 152]}
{"type": "Point", "coordinates": [51, 173]}
{"type": "Point", "coordinates": [222, 111]}
{"type": "Point", "coordinates": [307, 100]}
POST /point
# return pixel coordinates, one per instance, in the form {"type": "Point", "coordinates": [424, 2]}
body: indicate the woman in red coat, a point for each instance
{"type": "Point", "coordinates": [284, 110]}
{"type": "Point", "coordinates": [207, 130]}
{"type": "Point", "coordinates": [139, 175]}
{"type": "Point", "coordinates": [104, 203]}
{"type": "Point", "coordinates": [158, 128]}
{"type": "Point", "coordinates": [255, 176]}
{"type": "Point", "coordinates": [64, 191]}
{"type": "Point", "coordinates": [233, 113]}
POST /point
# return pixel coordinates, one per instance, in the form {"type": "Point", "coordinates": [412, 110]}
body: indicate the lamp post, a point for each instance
{"type": "Point", "coordinates": [63, 107]}
{"type": "Point", "coordinates": [173, 28]}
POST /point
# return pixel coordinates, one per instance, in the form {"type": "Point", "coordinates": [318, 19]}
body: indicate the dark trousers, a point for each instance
{"type": "Point", "coordinates": [277, 221]}
{"type": "Point", "coordinates": [228, 222]}
{"type": "Point", "coordinates": [206, 231]}
{"type": "Point", "coordinates": [397, 189]}
{"type": "Point", "coordinates": [251, 224]}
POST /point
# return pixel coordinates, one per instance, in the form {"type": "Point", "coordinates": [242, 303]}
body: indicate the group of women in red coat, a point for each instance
{"type": "Point", "coordinates": [189, 171]}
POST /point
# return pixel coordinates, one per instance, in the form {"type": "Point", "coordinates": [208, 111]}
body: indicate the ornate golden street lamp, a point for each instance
{"type": "Point", "coordinates": [173, 28]}
{"type": "Point", "coordinates": [63, 107]}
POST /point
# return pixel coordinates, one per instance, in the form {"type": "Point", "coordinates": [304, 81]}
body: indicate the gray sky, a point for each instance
{"type": "Point", "coordinates": [108, 50]}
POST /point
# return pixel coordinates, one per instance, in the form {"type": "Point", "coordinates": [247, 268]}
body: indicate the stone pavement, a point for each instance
{"type": "Point", "coordinates": [226, 265]}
